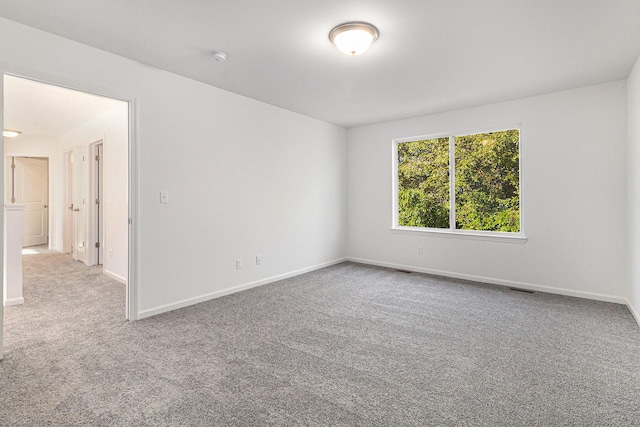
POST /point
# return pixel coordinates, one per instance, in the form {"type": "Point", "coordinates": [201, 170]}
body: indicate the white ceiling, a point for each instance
{"type": "Point", "coordinates": [44, 112]}
{"type": "Point", "coordinates": [432, 55]}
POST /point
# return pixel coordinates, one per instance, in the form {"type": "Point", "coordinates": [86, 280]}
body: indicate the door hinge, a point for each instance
{"type": "Point", "coordinates": [97, 244]}
{"type": "Point", "coordinates": [13, 165]}
{"type": "Point", "coordinates": [97, 201]}
{"type": "Point", "coordinates": [97, 158]}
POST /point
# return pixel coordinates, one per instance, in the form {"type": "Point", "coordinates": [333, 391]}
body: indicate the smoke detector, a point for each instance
{"type": "Point", "coordinates": [219, 56]}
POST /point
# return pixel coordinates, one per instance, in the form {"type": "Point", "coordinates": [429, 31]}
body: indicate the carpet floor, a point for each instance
{"type": "Point", "coordinates": [348, 345]}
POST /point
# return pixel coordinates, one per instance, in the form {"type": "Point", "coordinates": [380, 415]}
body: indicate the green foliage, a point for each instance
{"type": "Point", "coordinates": [486, 177]}
{"type": "Point", "coordinates": [487, 181]}
{"type": "Point", "coordinates": [423, 183]}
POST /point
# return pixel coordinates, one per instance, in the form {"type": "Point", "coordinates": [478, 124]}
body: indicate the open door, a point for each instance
{"type": "Point", "coordinates": [95, 208]}
{"type": "Point", "coordinates": [79, 204]}
{"type": "Point", "coordinates": [68, 239]}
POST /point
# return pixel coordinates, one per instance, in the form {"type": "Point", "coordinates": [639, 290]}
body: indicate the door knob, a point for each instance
{"type": "Point", "coordinates": [76, 210]}
{"type": "Point", "coordinates": [46, 206]}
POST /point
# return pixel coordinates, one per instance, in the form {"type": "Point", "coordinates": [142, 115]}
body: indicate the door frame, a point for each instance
{"type": "Point", "coordinates": [2, 188]}
{"type": "Point", "coordinates": [93, 210]}
{"type": "Point", "coordinates": [131, 305]}
{"type": "Point", "coordinates": [81, 217]}
{"type": "Point", "coordinates": [68, 235]}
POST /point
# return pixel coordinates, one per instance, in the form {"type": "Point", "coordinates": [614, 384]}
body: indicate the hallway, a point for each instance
{"type": "Point", "coordinates": [60, 296]}
{"type": "Point", "coordinates": [51, 339]}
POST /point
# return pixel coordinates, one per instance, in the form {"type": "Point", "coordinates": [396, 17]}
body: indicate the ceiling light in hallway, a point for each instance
{"type": "Point", "coordinates": [8, 133]}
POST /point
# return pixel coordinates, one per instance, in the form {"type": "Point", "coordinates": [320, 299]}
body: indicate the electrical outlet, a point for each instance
{"type": "Point", "coordinates": [239, 264]}
{"type": "Point", "coordinates": [420, 251]}
{"type": "Point", "coordinates": [258, 259]}
{"type": "Point", "coordinates": [110, 253]}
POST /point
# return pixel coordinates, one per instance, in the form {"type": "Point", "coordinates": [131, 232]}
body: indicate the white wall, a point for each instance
{"type": "Point", "coordinates": [573, 195]}
{"type": "Point", "coordinates": [37, 148]}
{"type": "Point", "coordinates": [112, 128]}
{"type": "Point", "coordinates": [633, 189]}
{"type": "Point", "coordinates": [244, 178]}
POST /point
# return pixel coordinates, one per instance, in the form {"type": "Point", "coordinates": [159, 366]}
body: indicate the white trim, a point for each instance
{"type": "Point", "coordinates": [466, 132]}
{"type": "Point", "coordinates": [394, 183]}
{"type": "Point", "coordinates": [521, 180]}
{"type": "Point", "coordinates": [2, 188]}
{"type": "Point", "coordinates": [14, 301]}
{"type": "Point", "coordinates": [463, 234]}
{"type": "Point", "coordinates": [131, 311]}
{"type": "Point", "coordinates": [635, 314]}
{"type": "Point", "coordinates": [114, 276]}
{"type": "Point", "coordinates": [228, 291]}
{"type": "Point", "coordinates": [452, 183]}
{"type": "Point", "coordinates": [90, 219]}
{"type": "Point", "coordinates": [493, 281]}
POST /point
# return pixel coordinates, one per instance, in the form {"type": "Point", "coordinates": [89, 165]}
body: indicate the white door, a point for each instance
{"type": "Point", "coordinates": [69, 226]}
{"type": "Point", "coordinates": [31, 188]}
{"type": "Point", "coordinates": [80, 196]}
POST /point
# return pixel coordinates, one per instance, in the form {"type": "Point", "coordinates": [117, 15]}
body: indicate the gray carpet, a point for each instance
{"type": "Point", "coordinates": [349, 345]}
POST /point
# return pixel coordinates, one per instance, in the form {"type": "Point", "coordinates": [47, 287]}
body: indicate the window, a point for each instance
{"type": "Point", "coordinates": [459, 182]}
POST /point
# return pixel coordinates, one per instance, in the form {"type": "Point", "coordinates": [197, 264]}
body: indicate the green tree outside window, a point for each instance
{"type": "Point", "coordinates": [487, 182]}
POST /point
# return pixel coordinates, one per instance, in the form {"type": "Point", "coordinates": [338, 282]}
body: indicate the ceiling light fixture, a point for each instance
{"type": "Point", "coordinates": [10, 133]}
{"type": "Point", "coordinates": [353, 38]}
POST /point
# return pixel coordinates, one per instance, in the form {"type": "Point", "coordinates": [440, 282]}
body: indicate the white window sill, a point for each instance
{"type": "Point", "coordinates": [491, 236]}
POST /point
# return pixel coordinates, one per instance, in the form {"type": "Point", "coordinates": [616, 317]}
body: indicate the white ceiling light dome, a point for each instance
{"type": "Point", "coordinates": [353, 38]}
{"type": "Point", "coordinates": [8, 133]}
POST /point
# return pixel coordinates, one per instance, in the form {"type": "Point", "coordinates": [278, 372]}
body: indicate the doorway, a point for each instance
{"type": "Point", "coordinates": [87, 204]}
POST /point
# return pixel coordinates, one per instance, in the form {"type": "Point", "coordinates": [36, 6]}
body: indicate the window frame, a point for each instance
{"type": "Point", "coordinates": [453, 232]}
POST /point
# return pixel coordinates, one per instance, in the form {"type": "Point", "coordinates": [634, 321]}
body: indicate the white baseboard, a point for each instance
{"type": "Point", "coordinates": [191, 301]}
{"type": "Point", "coordinates": [508, 283]}
{"type": "Point", "coordinates": [114, 276]}
{"type": "Point", "coordinates": [633, 313]}
{"type": "Point", "coordinates": [14, 301]}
